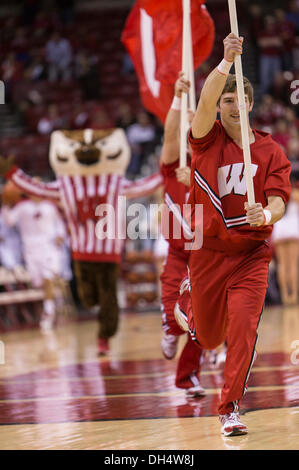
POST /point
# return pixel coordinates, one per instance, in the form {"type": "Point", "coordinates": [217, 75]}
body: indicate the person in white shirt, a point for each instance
{"type": "Point", "coordinates": [59, 57]}
{"type": "Point", "coordinates": [42, 233]}
{"type": "Point", "coordinates": [141, 136]}
{"type": "Point", "coordinates": [10, 245]}
{"type": "Point", "coordinates": [285, 239]}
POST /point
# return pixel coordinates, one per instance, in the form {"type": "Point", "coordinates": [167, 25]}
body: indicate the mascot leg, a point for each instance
{"type": "Point", "coordinates": [85, 275]}
{"type": "Point", "coordinates": [97, 285]}
{"type": "Point", "coordinates": [107, 277]}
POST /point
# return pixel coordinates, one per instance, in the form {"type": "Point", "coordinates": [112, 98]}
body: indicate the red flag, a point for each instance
{"type": "Point", "coordinates": [152, 7]}
{"type": "Point", "coordinates": [154, 43]}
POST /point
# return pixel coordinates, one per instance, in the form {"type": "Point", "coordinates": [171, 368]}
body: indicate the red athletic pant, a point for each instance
{"type": "Point", "coordinates": [227, 298]}
{"type": "Point", "coordinates": [175, 269]}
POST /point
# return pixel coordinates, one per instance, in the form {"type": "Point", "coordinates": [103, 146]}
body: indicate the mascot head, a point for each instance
{"type": "Point", "coordinates": [89, 152]}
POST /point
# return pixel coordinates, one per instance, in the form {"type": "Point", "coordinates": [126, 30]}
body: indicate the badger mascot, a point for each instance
{"type": "Point", "coordinates": [89, 166]}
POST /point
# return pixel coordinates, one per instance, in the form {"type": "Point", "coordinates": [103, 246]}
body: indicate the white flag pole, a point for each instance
{"type": "Point", "coordinates": [192, 93]}
{"type": "Point", "coordinates": [242, 107]}
{"type": "Point", "coordinates": [185, 70]}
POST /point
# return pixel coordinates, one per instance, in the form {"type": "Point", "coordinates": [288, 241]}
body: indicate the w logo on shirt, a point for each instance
{"type": "Point", "coordinates": [231, 178]}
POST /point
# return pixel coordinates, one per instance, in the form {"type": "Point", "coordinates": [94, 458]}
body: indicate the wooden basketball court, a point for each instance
{"type": "Point", "coordinates": [57, 394]}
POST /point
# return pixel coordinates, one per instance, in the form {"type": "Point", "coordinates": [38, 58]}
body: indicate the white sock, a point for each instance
{"type": "Point", "coordinates": [49, 307]}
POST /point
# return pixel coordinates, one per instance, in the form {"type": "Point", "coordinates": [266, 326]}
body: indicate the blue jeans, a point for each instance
{"type": "Point", "coordinates": [269, 67]}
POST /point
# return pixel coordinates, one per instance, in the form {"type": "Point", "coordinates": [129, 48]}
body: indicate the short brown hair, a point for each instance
{"type": "Point", "coordinates": [231, 86]}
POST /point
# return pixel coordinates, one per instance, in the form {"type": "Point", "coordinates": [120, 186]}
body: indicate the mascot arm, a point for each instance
{"type": "Point", "coordinates": [34, 188]}
{"type": "Point", "coordinates": [141, 187]}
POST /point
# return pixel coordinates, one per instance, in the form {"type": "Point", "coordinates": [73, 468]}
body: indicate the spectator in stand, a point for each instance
{"type": "Point", "coordinates": [281, 133]}
{"type": "Point", "coordinates": [286, 30]}
{"type": "Point", "coordinates": [53, 120]}
{"type": "Point", "coordinates": [37, 68]}
{"type": "Point", "coordinates": [101, 120]}
{"type": "Point", "coordinates": [88, 74]}
{"type": "Point", "coordinates": [293, 14]}
{"type": "Point", "coordinates": [125, 117]}
{"type": "Point", "coordinates": [293, 126]}
{"type": "Point", "coordinates": [20, 45]}
{"type": "Point", "coordinates": [268, 111]}
{"type": "Point", "coordinates": [7, 32]}
{"type": "Point", "coordinates": [141, 136]}
{"type": "Point", "coordinates": [80, 118]}
{"type": "Point", "coordinates": [293, 148]}
{"type": "Point", "coordinates": [11, 71]}
{"type": "Point", "coordinates": [255, 26]}
{"type": "Point", "coordinates": [42, 24]}
{"type": "Point", "coordinates": [280, 89]}
{"type": "Point", "coordinates": [127, 65]}
{"type": "Point", "coordinates": [292, 119]}
{"type": "Point", "coordinates": [59, 57]}
{"type": "Point", "coordinates": [270, 47]}
{"type": "Point", "coordinates": [31, 100]}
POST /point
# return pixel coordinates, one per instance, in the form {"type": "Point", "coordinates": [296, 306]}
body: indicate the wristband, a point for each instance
{"type": "Point", "coordinates": [176, 103]}
{"type": "Point", "coordinates": [224, 67]}
{"type": "Point", "coordinates": [268, 216]}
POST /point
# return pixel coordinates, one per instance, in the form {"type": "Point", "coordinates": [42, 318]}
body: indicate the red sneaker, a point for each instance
{"type": "Point", "coordinates": [103, 346]}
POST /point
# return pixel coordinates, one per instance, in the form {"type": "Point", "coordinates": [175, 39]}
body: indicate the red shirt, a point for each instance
{"type": "Point", "coordinates": [218, 183]}
{"type": "Point", "coordinates": [274, 47]}
{"type": "Point", "coordinates": [287, 32]}
{"type": "Point", "coordinates": [174, 217]}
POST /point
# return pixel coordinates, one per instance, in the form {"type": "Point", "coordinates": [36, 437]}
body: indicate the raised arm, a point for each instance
{"type": "Point", "coordinates": [32, 187]}
{"type": "Point", "coordinates": [27, 184]}
{"type": "Point", "coordinates": [171, 143]}
{"type": "Point", "coordinates": [206, 112]}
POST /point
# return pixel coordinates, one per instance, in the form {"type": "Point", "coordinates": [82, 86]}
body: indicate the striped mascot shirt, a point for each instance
{"type": "Point", "coordinates": [85, 199]}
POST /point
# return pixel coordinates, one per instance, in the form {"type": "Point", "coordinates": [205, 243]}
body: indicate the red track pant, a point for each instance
{"type": "Point", "coordinates": [227, 298]}
{"type": "Point", "coordinates": [175, 269]}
